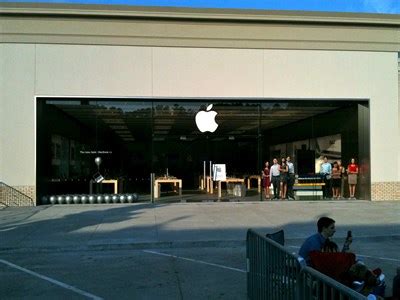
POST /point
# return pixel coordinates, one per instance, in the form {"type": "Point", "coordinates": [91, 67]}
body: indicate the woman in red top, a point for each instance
{"type": "Point", "coordinates": [352, 170]}
{"type": "Point", "coordinates": [266, 180]}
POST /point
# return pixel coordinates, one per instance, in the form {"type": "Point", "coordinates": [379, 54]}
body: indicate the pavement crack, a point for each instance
{"type": "Point", "coordinates": [155, 222]}
{"type": "Point", "coordinates": [176, 273]}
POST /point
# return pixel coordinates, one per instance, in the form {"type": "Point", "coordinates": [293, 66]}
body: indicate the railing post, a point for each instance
{"type": "Point", "coordinates": [152, 179]}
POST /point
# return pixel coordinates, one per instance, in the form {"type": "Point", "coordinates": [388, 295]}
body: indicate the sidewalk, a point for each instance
{"type": "Point", "coordinates": [168, 225]}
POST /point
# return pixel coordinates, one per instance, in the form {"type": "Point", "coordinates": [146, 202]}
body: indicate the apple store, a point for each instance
{"type": "Point", "coordinates": [187, 103]}
{"type": "Point", "coordinates": [114, 145]}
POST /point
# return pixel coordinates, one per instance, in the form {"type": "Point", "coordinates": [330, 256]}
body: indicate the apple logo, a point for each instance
{"type": "Point", "coordinates": [205, 120]}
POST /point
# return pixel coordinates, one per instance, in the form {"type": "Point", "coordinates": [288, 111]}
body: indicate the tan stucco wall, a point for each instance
{"type": "Point", "coordinates": [65, 70]}
{"type": "Point", "coordinates": [17, 119]}
{"type": "Point", "coordinates": [177, 55]}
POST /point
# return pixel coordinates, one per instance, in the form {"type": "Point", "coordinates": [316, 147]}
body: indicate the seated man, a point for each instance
{"type": "Point", "coordinates": [326, 229]}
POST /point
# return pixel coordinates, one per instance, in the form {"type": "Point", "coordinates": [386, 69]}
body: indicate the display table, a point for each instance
{"type": "Point", "coordinates": [177, 183]}
{"type": "Point", "coordinates": [106, 181]}
{"type": "Point", "coordinates": [229, 180]}
{"type": "Point", "coordinates": [204, 184]}
{"type": "Point", "coordinates": [258, 177]}
{"type": "Point", "coordinates": [308, 189]}
{"type": "Point", "coordinates": [210, 185]}
{"type": "Point", "coordinates": [112, 181]}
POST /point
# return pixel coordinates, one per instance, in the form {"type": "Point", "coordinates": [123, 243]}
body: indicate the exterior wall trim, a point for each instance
{"type": "Point", "coordinates": [198, 34]}
{"type": "Point", "coordinates": [149, 12]}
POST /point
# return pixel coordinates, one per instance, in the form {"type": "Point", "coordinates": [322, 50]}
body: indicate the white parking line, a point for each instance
{"type": "Point", "coordinates": [377, 257]}
{"type": "Point", "coordinates": [362, 255]}
{"type": "Point", "coordinates": [196, 261]}
{"type": "Point", "coordinates": [56, 282]}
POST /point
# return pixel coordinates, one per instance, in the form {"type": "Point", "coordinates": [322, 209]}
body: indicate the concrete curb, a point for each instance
{"type": "Point", "coordinates": [93, 246]}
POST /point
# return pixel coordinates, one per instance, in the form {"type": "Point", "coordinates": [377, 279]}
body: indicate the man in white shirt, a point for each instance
{"type": "Point", "coordinates": [290, 182]}
{"type": "Point", "coordinates": [326, 172]}
{"type": "Point", "coordinates": [275, 175]}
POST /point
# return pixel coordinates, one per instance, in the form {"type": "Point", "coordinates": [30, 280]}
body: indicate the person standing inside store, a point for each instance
{"type": "Point", "coordinates": [266, 180]}
{"type": "Point", "coordinates": [326, 173]}
{"type": "Point", "coordinates": [290, 182]}
{"type": "Point", "coordinates": [284, 179]}
{"type": "Point", "coordinates": [274, 174]}
{"type": "Point", "coordinates": [352, 171]}
{"type": "Point", "coordinates": [343, 177]}
{"type": "Point", "coordinates": [336, 180]}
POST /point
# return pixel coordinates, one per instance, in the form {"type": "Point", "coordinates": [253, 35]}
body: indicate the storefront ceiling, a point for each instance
{"type": "Point", "coordinates": [132, 123]}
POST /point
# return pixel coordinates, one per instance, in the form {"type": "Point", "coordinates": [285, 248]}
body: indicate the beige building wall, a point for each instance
{"type": "Point", "coordinates": [17, 116]}
{"type": "Point", "coordinates": [79, 70]}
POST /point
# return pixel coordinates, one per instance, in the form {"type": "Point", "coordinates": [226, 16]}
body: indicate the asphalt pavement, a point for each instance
{"type": "Point", "coordinates": [170, 250]}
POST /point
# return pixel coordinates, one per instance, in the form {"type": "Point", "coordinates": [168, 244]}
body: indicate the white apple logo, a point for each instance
{"type": "Point", "coordinates": [205, 120]}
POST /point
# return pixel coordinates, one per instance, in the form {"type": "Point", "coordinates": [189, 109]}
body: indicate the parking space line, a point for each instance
{"type": "Point", "coordinates": [361, 255]}
{"type": "Point", "coordinates": [195, 261]}
{"type": "Point", "coordinates": [56, 282]}
{"type": "Point", "coordinates": [377, 257]}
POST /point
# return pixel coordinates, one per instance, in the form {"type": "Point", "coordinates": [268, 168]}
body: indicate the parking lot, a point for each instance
{"type": "Point", "coordinates": [174, 251]}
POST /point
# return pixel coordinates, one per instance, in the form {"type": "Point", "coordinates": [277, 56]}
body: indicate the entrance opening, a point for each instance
{"type": "Point", "coordinates": [107, 146]}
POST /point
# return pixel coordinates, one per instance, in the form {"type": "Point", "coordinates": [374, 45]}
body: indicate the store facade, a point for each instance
{"type": "Point", "coordinates": [128, 90]}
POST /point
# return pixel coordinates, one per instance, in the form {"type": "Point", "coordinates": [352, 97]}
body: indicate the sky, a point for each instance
{"type": "Point", "coordinates": [353, 6]}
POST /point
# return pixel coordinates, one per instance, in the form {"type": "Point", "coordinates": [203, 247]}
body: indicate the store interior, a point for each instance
{"type": "Point", "coordinates": [137, 137]}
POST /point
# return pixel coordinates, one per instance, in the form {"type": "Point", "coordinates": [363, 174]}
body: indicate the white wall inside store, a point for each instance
{"type": "Point", "coordinates": [79, 70]}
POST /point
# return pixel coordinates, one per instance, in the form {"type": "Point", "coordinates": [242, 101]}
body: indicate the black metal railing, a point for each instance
{"type": "Point", "coordinates": [10, 196]}
{"type": "Point", "coordinates": [275, 273]}
{"type": "Point", "coordinates": [318, 286]}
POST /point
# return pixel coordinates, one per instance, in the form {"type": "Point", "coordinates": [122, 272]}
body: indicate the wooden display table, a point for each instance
{"type": "Point", "coordinates": [112, 181]}
{"type": "Point", "coordinates": [228, 180]}
{"type": "Point", "coordinates": [308, 189]}
{"type": "Point", "coordinates": [258, 177]}
{"type": "Point", "coordinates": [107, 181]}
{"type": "Point", "coordinates": [317, 185]}
{"type": "Point", "coordinates": [177, 183]}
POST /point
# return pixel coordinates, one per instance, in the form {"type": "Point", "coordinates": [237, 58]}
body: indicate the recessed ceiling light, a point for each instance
{"type": "Point", "coordinates": [113, 121]}
{"type": "Point", "coordinates": [118, 127]}
{"type": "Point", "coordinates": [158, 139]}
{"type": "Point", "coordinates": [122, 131]}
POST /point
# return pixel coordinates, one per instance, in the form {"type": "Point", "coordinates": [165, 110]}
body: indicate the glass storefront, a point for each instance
{"type": "Point", "coordinates": [172, 138]}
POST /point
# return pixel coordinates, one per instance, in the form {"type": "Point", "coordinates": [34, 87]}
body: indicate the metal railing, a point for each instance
{"type": "Point", "coordinates": [272, 271]}
{"type": "Point", "coordinates": [321, 287]}
{"type": "Point", "coordinates": [275, 273]}
{"type": "Point", "coordinates": [9, 196]}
